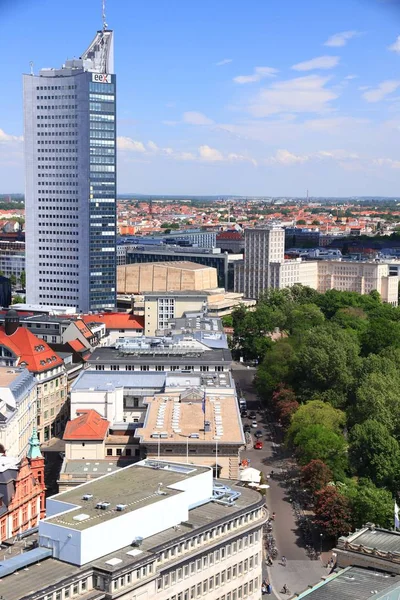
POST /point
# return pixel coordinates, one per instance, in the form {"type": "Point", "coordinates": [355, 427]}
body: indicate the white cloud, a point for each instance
{"type": "Point", "coordinates": [384, 89]}
{"type": "Point", "coordinates": [196, 118]}
{"type": "Point", "coordinates": [152, 146]}
{"type": "Point", "coordinates": [395, 47]}
{"type": "Point", "coordinates": [225, 61]}
{"type": "Point", "coordinates": [6, 138]}
{"type": "Point", "coordinates": [284, 157]}
{"type": "Point", "coordinates": [386, 162]}
{"type": "Point", "coordinates": [258, 74]}
{"type": "Point", "coordinates": [350, 77]}
{"type": "Point", "coordinates": [340, 39]}
{"type": "Point", "coordinates": [210, 154]}
{"type": "Point", "coordinates": [299, 95]}
{"type": "Point", "coordinates": [321, 62]}
{"type": "Point", "coordinates": [130, 145]}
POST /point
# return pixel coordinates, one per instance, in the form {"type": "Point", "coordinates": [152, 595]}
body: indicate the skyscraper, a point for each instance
{"type": "Point", "coordinates": [264, 249]}
{"type": "Point", "coordinates": [70, 172]}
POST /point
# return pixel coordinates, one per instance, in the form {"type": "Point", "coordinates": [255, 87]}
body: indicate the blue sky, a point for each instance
{"type": "Point", "coordinates": [255, 97]}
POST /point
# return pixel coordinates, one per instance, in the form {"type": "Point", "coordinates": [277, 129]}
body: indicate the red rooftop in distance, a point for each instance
{"type": "Point", "coordinates": [89, 425]}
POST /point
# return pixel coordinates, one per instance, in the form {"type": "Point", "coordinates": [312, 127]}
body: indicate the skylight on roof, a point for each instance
{"type": "Point", "coordinates": [81, 517]}
{"type": "Point", "coordinates": [113, 561]}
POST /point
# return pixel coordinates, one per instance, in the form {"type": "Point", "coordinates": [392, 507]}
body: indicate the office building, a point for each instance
{"type": "Point", "coordinates": [118, 416]}
{"type": "Point", "coordinates": [211, 257]}
{"type": "Point", "coordinates": [262, 247]}
{"type": "Point", "coordinates": [160, 308]}
{"type": "Point", "coordinates": [22, 492]}
{"type": "Point", "coordinates": [165, 277]}
{"type": "Point", "coordinates": [359, 276]}
{"type": "Point", "coordinates": [12, 258]}
{"type": "Point", "coordinates": [70, 178]}
{"type": "Point", "coordinates": [19, 346]}
{"type": "Point", "coordinates": [230, 241]}
{"type": "Point", "coordinates": [18, 409]}
{"type": "Point", "coordinates": [152, 530]}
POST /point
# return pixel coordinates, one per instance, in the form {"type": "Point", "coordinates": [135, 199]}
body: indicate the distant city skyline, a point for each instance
{"type": "Point", "coordinates": [225, 98]}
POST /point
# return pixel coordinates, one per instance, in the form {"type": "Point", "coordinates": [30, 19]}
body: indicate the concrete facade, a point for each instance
{"type": "Point", "coordinates": [70, 181]}
{"type": "Point", "coordinates": [165, 277]}
{"type": "Point", "coordinates": [160, 308]}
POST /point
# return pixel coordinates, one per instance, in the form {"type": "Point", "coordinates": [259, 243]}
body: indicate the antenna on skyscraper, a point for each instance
{"type": "Point", "coordinates": [31, 66]}
{"type": "Point", "coordinates": [103, 16]}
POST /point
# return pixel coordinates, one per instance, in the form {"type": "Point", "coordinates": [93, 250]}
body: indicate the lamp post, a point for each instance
{"type": "Point", "coordinates": [321, 535]}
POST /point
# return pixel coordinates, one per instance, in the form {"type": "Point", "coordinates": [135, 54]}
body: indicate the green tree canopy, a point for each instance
{"type": "Point", "coordinates": [319, 442]}
{"type": "Point", "coordinates": [369, 504]}
{"type": "Point", "coordinates": [276, 368]}
{"type": "Point", "coordinates": [303, 317]}
{"type": "Point", "coordinates": [374, 453]}
{"type": "Point", "coordinates": [316, 412]}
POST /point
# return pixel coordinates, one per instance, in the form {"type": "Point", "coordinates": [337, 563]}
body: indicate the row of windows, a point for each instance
{"type": "Point", "coordinates": [59, 107]}
{"type": "Point", "coordinates": [157, 367]}
{"type": "Point", "coordinates": [56, 87]}
{"type": "Point", "coordinates": [102, 88]}
{"type": "Point", "coordinates": [105, 97]}
{"type": "Point", "coordinates": [55, 117]}
{"type": "Point", "coordinates": [57, 159]}
{"type": "Point", "coordinates": [60, 97]}
{"type": "Point", "coordinates": [57, 133]}
{"type": "Point", "coordinates": [207, 585]}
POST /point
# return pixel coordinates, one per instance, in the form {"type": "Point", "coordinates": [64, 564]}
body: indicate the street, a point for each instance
{"type": "Point", "coordinates": [299, 571]}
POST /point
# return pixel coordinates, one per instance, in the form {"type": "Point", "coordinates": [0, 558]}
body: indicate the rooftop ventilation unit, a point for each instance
{"type": "Point", "coordinates": [87, 497]}
{"type": "Point", "coordinates": [103, 505]}
{"type": "Point", "coordinates": [120, 507]}
{"type": "Point", "coordinates": [137, 542]}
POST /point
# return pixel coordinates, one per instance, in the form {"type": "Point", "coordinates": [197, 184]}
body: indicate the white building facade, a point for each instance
{"type": "Point", "coordinates": [70, 178]}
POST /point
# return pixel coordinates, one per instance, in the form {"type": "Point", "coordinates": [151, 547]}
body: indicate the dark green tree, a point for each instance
{"type": "Point", "coordinates": [369, 504]}
{"type": "Point", "coordinates": [375, 454]}
{"type": "Point", "coordinates": [316, 412]}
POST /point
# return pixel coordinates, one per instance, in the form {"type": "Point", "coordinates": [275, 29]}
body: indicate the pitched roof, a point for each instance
{"type": "Point", "coordinates": [77, 345]}
{"type": "Point", "coordinates": [116, 320]}
{"type": "Point", "coordinates": [89, 425]}
{"type": "Point", "coordinates": [84, 329]}
{"type": "Point", "coordinates": [33, 351]}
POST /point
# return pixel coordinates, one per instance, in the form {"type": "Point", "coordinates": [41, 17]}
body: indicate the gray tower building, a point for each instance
{"type": "Point", "coordinates": [264, 251]}
{"type": "Point", "coordinates": [70, 188]}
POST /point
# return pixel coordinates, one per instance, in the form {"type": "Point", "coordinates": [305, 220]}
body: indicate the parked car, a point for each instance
{"type": "Point", "coordinates": [258, 445]}
{"type": "Point", "coordinates": [247, 428]}
{"type": "Point", "coordinates": [254, 424]}
{"type": "Point", "coordinates": [258, 433]}
{"type": "Point", "coordinates": [253, 415]}
{"type": "Point", "coordinates": [244, 414]}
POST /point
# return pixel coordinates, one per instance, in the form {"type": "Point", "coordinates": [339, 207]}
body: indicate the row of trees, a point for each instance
{"type": "Point", "coordinates": [332, 378]}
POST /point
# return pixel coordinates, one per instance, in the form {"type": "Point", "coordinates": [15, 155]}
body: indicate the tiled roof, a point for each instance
{"type": "Point", "coordinates": [36, 353]}
{"type": "Point", "coordinates": [116, 320]}
{"type": "Point", "coordinates": [77, 345]}
{"type": "Point", "coordinates": [88, 426]}
{"type": "Point", "coordinates": [83, 329]}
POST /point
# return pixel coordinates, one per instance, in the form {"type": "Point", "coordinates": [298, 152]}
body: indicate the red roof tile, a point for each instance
{"type": "Point", "coordinates": [77, 345]}
{"type": "Point", "coordinates": [83, 329]}
{"type": "Point", "coordinates": [116, 320]}
{"type": "Point", "coordinates": [89, 425]}
{"type": "Point", "coordinates": [33, 351]}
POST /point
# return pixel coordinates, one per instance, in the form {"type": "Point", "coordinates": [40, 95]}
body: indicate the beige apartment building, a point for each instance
{"type": "Point", "coordinates": [165, 277]}
{"type": "Point", "coordinates": [161, 307]}
{"type": "Point", "coordinates": [358, 276]}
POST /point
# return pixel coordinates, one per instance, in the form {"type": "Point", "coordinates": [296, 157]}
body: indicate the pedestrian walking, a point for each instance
{"type": "Point", "coordinates": [283, 560]}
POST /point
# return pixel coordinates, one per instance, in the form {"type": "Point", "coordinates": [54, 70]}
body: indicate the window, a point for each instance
{"type": "Point", "coordinates": [192, 592]}
{"type": "Point", "coordinates": [83, 585]}
{"type": "Point", "coordinates": [109, 451]}
{"type": "Point", "coordinates": [128, 452]}
{"type": "Point", "coordinates": [119, 451]}
{"type": "Point", "coordinates": [205, 586]}
{"type": "Point", "coordinates": [199, 589]}
{"type": "Point", "coordinates": [211, 583]}
{"type": "Point", "coordinates": [159, 584]}
{"type": "Point", "coordinates": [75, 589]}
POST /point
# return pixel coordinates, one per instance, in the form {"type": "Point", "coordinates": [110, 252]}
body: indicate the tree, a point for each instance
{"type": "Point", "coordinates": [22, 279]}
{"type": "Point", "coordinates": [304, 317]}
{"type": "Point", "coordinates": [328, 358]}
{"type": "Point", "coordinates": [13, 279]}
{"type": "Point", "coordinates": [316, 412]}
{"type": "Point", "coordinates": [374, 453]}
{"type": "Point", "coordinates": [227, 321]}
{"type": "Point", "coordinates": [276, 368]}
{"type": "Point", "coordinates": [17, 299]}
{"type": "Point", "coordinates": [378, 397]}
{"type": "Point", "coordinates": [284, 405]}
{"type": "Point", "coordinates": [332, 512]}
{"type": "Point", "coordinates": [301, 222]}
{"type": "Point", "coordinates": [351, 317]}
{"type": "Point", "coordinates": [379, 336]}
{"type": "Point", "coordinates": [315, 476]}
{"type": "Point", "coordinates": [319, 442]}
{"type": "Point", "coordinates": [369, 504]}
